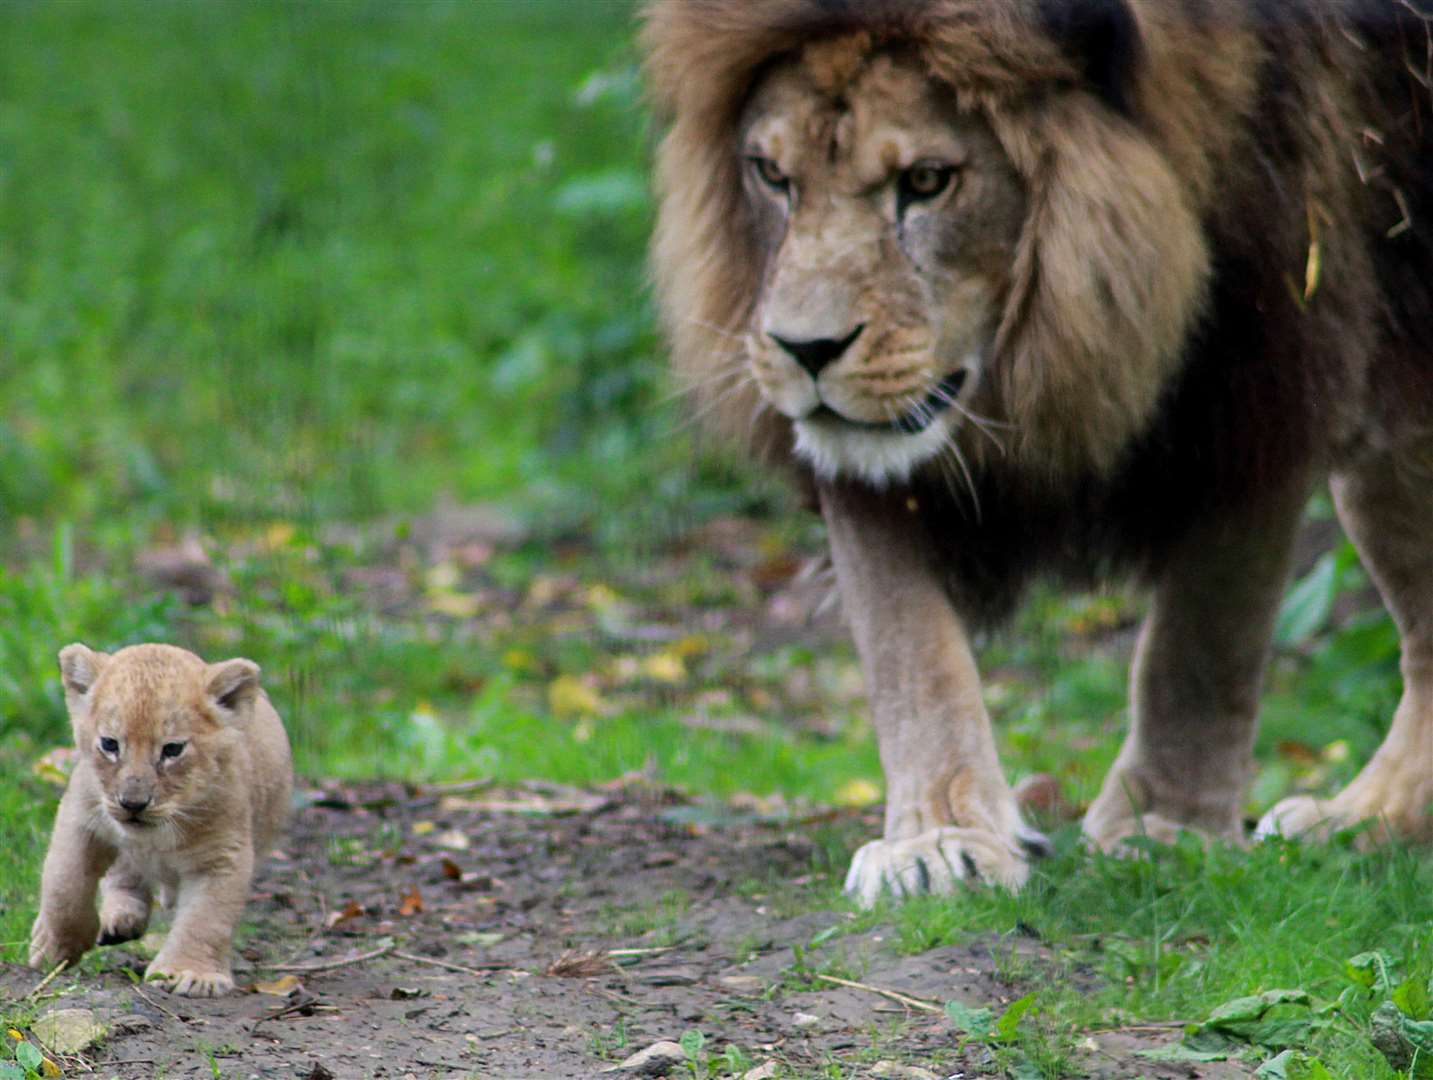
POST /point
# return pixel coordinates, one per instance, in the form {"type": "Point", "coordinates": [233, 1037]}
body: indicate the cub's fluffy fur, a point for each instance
{"type": "Point", "coordinates": [1219, 292]}
{"type": "Point", "coordinates": [181, 784]}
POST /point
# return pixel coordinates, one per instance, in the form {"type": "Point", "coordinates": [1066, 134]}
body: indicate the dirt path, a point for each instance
{"type": "Point", "coordinates": [493, 915]}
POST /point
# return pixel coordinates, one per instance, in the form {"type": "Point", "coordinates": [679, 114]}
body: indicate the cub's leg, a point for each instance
{"type": "Point", "coordinates": [950, 815]}
{"type": "Point", "coordinates": [125, 902]}
{"type": "Point", "coordinates": [1194, 688]}
{"type": "Point", "coordinates": [67, 924]}
{"type": "Point", "coordinates": [195, 957]}
{"type": "Point", "coordinates": [1386, 506]}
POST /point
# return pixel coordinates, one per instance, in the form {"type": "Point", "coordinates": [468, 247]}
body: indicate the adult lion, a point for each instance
{"type": "Point", "coordinates": [1068, 287]}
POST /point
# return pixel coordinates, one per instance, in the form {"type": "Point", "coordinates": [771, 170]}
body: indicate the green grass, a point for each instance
{"type": "Point", "coordinates": [272, 269]}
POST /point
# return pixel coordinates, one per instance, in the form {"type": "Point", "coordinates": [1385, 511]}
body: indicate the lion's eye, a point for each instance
{"type": "Point", "coordinates": [109, 746]}
{"type": "Point", "coordinates": [172, 749]}
{"type": "Point", "coordinates": [923, 181]}
{"type": "Point", "coordinates": [770, 173]}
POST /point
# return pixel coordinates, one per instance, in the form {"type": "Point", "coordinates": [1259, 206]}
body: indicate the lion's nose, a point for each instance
{"type": "Point", "coordinates": [133, 803]}
{"type": "Point", "coordinates": [818, 353]}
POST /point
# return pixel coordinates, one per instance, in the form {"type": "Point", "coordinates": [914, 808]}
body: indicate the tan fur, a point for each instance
{"type": "Point", "coordinates": [1147, 316]}
{"type": "Point", "coordinates": [135, 823]}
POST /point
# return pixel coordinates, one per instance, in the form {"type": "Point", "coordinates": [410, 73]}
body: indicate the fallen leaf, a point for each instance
{"type": "Point", "coordinates": [451, 870]}
{"type": "Point", "coordinates": [55, 766]}
{"type": "Point", "coordinates": [765, 1071]}
{"type": "Point", "coordinates": [411, 903]}
{"type": "Point", "coordinates": [858, 793]}
{"type": "Point", "coordinates": [453, 840]}
{"type": "Point", "coordinates": [280, 987]}
{"type": "Point", "coordinates": [665, 667]}
{"type": "Point", "coordinates": [567, 695]}
{"type": "Point", "coordinates": [575, 964]}
{"type": "Point", "coordinates": [350, 911]}
{"type": "Point", "coordinates": [423, 828]}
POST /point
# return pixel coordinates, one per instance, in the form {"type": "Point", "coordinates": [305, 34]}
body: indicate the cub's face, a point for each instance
{"type": "Point", "coordinates": [889, 221]}
{"type": "Point", "coordinates": [157, 728]}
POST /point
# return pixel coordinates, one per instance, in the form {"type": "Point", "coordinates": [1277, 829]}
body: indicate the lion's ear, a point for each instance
{"type": "Point", "coordinates": [80, 666]}
{"type": "Point", "coordinates": [1102, 37]}
{"type": "Point", "coordinates": [233, 684]}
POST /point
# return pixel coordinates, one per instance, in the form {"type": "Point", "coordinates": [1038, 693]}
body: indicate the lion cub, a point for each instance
{"type": "Point", "coordinates": [182, 782]}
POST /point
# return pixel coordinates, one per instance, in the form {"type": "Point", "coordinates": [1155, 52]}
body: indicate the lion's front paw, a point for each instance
{"type": "Point", "coordinates": [936, 861]}
{"type": "Point", "coordinates": [189, 982]}
{"type": "Point", "coordinates": [50, 944]}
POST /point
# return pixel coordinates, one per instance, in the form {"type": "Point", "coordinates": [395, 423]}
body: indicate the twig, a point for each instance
{"type": "Point", "coordinates": [329, 965]}
{"type": "Point", "coordinates": [640, 952]}
{"type": "Point", "coordinates": [894, 995]}
{"type": "Point", "coordinates": [47, 980]}
{"type": "Point", "coordinates": [483, 970]}
{"type": "Point", "coordinates": [1156, 1025]}
{"type": "Point", "coordinates": [166, 1011]}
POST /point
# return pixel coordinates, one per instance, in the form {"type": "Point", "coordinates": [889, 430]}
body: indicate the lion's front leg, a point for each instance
{"type": "Point", "coordinates": [950, 815]}
{"type": "Point", "coordinates": [194, 960]}
{"type": "Point", "coordinates": [1194, 689]}
{"type": "Point", "coordinates": [67, 923]}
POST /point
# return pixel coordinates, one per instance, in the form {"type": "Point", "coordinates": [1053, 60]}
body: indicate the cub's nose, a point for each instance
{"type": "Point", "coordinates": [818, 353]}
{"type": "Point", "coordinates": [133, 803]}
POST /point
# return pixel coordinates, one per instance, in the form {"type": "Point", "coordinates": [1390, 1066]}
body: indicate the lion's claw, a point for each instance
{"type": "Point", "coordinates": [937, 861]}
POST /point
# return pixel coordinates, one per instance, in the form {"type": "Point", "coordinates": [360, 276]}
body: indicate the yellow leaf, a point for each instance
{"type": "Point", "coordinates": [49, 1068]}
{"type": "Point", "coordinates": [280, 987]}
{"type": "Point", "coordinates": [858, 793]}
{"type": "Point", "coordinates": [16, 1035]}
{"type": "Point", "coordinates": [567, 695]}
{"type": "Point", "coordinates": [55, 766]}
{"type": "Point", "coordinates": [691, 645]}
{"type": "Point", "coordinates": [454, 604]}
{"type": "Point", "coordinates": [664, 667]}
{"type": "Point", "coordinates": [423, 828]}
{"type": "Point", "coordinates": [600, 597]}
{"type": "Point", "coordinates": [279, 534]}
{"type": "Point", "coordinates": [445, 575]}
{"type": "Point", "coordinates": [521, 660]}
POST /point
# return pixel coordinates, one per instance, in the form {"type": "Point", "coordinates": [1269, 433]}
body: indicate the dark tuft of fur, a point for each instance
{"type": "Point", "coordinates": [1104, 39]}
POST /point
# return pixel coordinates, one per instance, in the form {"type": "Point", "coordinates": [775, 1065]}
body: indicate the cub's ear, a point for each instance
{"type": "Point", "coordinates": [233, 684]}
{"type": "Point", "coordinates": [1102, 37]}
{"type": "Point", "coordinates": [80, 666]}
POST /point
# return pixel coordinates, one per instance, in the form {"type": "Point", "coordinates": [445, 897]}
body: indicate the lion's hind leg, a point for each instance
{"type": "Point", "coordinates": [1386, 506]}
{"type": "Point", "coordinates": [1194, 690]}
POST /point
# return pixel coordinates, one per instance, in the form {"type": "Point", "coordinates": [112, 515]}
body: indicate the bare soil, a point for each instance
{"type": "Point", "coordinates": [470, 932]}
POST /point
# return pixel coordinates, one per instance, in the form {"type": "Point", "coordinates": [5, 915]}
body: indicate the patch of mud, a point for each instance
{"type": "Point", "coordinates": [540, 932]}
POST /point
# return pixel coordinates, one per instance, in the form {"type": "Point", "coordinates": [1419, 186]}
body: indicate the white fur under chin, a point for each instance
{"type": "Point", "coordinates": [880, 458]}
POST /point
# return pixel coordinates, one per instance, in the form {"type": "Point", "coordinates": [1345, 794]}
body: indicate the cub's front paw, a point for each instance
{"type": "Point", "coordinates": [123, 922]}
{"type": "Point", "coordinates": [937, 861]}
{"type": "Point", "coordinates": [190, 982]}
{"type": "Point", "coordinates": [50, 945]}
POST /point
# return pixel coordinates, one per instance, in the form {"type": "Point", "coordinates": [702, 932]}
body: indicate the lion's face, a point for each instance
{"type": "Point", "coordinates": [156, 726]}
{"type": "Point", "coordinates": [888, 221]}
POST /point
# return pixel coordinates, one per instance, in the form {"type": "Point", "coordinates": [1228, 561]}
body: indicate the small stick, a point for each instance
{"type": "Point", "coordinates": [329, 965]}
{"type": "Point", "coordinates": [1155, 1025]}
{"type": "Point", "coordinates": [894, 995]}
{"type": "Point", "coordinates": [640, 952]}
{"type": "Point", "coordinates": [484, 970]}
{"type": "Point", "coordinates": [161, 1008]}
{"type": "Point", "coordinates": [47, 980]}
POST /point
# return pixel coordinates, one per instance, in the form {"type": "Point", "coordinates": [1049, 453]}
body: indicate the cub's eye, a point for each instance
{"type": "Point", "coordinates": [109, 746]}
{"type": "Point", "coordinates": [172, 749]}
{"type": "Point", "coordinates": [923, 181]}
{"type": "Point", "coordinates": [770, 173]}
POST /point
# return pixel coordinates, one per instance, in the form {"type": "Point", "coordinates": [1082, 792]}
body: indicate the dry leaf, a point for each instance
{"type": "Point", "coordinates": [350, 911]}
{"type": "Point", "coordinates": [567, 695]}
{"type": "Point", "coordinates": [453, 840]}
{"type": "Point", "coordinates": [858, 792]}
{"type": "Point", "coordinates": [575, 964]}
{"type": "Point", "coordinates": [411, 903]}
{"type": "Point", "coordinates": [665, 667]}
{"type": "Point", "coordinates": [451, 870]}
{"type": "Point", "coordinates": [280, 987]}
